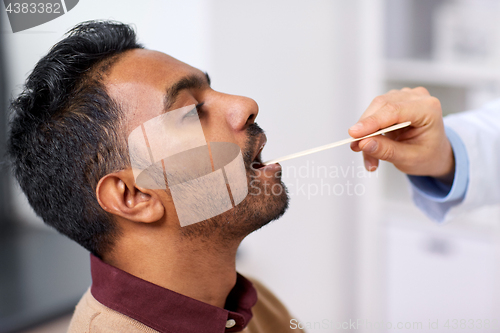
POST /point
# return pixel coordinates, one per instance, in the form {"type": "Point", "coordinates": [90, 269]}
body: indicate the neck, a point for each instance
{"type": "Point", "coordinates": [204, 270]}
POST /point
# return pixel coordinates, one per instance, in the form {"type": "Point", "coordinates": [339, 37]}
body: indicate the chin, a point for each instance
{"type": "Point", "coordinates": [267, 200]}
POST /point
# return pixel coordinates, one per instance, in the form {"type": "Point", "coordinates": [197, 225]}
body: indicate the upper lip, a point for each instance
{"type": "Point", "coordinates": [261, 143]}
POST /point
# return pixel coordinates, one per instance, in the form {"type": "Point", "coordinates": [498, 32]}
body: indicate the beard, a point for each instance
{"type": "Point", "coordinates": [267, 200]}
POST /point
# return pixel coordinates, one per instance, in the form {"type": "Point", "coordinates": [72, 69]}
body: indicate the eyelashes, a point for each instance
{"type": "Point", "coordinates": [199, 105]}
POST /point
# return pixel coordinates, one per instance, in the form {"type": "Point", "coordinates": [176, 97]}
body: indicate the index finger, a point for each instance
{"type": "Point", "coordinates": [383, 113]}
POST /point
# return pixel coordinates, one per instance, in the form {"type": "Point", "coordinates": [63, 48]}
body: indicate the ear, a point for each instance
{"type": "Point", "coordinates": [118, 194]}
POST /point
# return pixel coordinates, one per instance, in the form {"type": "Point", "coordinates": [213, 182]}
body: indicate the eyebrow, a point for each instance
{"type": "Point", "coordinates": [188, 82]}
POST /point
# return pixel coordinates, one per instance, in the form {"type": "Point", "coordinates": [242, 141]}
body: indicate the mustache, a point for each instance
{"type": "Point", "coordinates": [254, 131]}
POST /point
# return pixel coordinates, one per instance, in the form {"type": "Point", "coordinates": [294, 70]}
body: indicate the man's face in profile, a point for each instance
{"type": "Point", "coordinates": [146, 84]}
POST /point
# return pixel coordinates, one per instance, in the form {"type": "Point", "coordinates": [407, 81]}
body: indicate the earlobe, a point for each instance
{"type": "Point", "coordinates": [118, 194]}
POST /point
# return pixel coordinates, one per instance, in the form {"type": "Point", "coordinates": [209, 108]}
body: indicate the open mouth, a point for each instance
{"type": "Point", "coordinates": [257, 161]}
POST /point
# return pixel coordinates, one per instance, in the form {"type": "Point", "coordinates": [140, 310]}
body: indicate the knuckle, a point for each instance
{"type": "Point", "coordinates": [371, 119]}
{"type": "Point", "coordinates": [391, 108]}
{"type": "Point", "coordinates": [381, 99]}
{"type": "Point", "coordinates": [421, 90]}
{"type": "Point", "coordinates": [435, 104]}
{"type": "Point", "coordinates": [387, 154]}
{"type": "Point", "coordinates": [434, 101]}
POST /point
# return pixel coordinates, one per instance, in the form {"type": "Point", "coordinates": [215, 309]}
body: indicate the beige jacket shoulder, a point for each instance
{"type": "Point", "coordinates": [269, 316]}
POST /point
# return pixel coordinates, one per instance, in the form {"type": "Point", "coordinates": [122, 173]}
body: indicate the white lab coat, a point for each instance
{"type": "Point", "coordinates": [479, 130]}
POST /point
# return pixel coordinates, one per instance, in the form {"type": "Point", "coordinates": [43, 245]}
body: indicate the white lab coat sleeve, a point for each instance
{"type": "Point", "coordinates": [479, 134]}
{"type": "Point", "coordinates": [435, 198]}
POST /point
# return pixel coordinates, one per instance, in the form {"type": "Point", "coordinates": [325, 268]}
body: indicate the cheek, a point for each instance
{"type": "Point", "coordinates": [217, 130]}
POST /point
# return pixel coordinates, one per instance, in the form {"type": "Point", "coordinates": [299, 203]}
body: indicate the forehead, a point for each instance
{"type": "Point", "coordinates": [139, 80]}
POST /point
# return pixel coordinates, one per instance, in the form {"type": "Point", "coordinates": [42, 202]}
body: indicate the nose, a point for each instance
{"type": "Point", "coordinates": [240, 111]}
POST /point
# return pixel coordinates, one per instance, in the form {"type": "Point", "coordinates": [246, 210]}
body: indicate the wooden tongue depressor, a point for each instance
{"type": "Point", "coordinates": [336, 144]}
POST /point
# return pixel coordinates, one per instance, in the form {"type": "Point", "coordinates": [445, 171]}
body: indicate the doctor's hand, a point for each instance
{"type": "Point", "coordinates": [422, 149]}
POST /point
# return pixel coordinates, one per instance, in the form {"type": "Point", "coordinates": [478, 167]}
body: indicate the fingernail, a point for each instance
{"type": "Point", "coordinates": [370, 147]}
{"type": "Point", "coordinates": [367, 165]}
{"type": "Point", "coordinates": [356, 127]}
{"type": "Point", "coordinates": [370, 167]}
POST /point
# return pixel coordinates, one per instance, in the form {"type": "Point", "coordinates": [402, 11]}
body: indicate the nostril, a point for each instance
{"type": "Point", "coordinates": [250, 118]}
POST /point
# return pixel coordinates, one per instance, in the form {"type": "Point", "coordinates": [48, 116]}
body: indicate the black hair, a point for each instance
{"type": "Point", "coordinates": [66, 132]}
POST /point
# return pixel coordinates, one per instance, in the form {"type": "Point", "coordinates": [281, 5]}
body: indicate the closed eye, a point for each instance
{"type": "Point", "coordinates": [191, 113]}
{"type": "Point", "coordinates": [194, 111]}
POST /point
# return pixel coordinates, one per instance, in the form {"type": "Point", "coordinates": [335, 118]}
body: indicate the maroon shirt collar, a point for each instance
{"type": "Point", "coordinates": [165, 310]}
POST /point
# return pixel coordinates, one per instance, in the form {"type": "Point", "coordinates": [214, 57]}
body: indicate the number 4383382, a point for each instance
{"type": "Point", "coordinates": [24, 8]}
